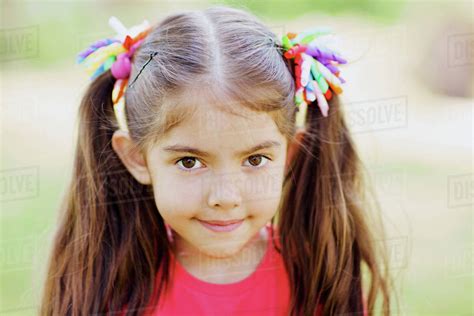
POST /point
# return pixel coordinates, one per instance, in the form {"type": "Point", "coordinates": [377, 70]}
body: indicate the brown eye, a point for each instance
{"type": "Point", "coordinates": [257, 161]}
{"type": "Point", "coordinates": [188, 163]}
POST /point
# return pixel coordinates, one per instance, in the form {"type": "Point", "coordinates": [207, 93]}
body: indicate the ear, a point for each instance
{"type": "Point", "coordinates": [293, 148]}
{"type": "Point", "coordinates": [131, 157]}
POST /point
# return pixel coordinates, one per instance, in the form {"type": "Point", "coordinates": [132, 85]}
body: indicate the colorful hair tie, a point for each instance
{"type": "Point", "coordinates": [115, 54]}
{"type": "Point", "coordinates": [316, 73]}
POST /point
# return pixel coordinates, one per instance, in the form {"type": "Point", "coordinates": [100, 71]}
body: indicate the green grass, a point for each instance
{"type": "Point", "coordinates": [382, 11]}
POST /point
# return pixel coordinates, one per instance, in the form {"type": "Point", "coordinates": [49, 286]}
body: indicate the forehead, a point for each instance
{"type": "Point", "coordinates": [207, 108]}
{"type": "Point", "coordinates": [211, 124]}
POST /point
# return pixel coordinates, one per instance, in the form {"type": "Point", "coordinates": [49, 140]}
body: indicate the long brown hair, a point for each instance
{"type": "Point", "coordinates": [111, 249]}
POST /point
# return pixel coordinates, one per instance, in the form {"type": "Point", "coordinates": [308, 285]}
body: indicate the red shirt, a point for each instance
{"type": "Point", "coordinates": [264, 292]}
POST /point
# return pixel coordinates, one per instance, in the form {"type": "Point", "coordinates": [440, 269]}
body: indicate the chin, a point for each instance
{"type": "Point", "coordinates": [222, 250]}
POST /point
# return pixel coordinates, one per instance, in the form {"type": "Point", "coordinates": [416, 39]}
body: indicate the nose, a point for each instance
{"type": "Point", "coordinates": [224, 192]}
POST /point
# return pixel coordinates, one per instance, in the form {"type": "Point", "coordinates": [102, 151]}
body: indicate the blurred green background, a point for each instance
{"type": "Point", "coordinates": [408, 100]}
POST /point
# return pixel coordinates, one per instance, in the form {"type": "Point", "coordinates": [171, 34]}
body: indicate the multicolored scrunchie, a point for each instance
{"type": "Point", "coordinates": [115, 54]}
{"type": "Point", "coordinates": [317, 76]}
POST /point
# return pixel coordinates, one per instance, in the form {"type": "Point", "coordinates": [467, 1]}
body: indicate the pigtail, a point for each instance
{"type": "Point", "coordinates": [111, 240]}
{"type": "Point", "coordinates": [324, 233]}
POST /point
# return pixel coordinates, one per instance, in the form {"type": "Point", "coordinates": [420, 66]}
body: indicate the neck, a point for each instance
{"type": "Point", "coordinates": [220, 270]}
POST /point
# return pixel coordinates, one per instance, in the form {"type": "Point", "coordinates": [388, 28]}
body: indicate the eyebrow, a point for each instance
{"type": "Point", "coordinates": [187, 149]}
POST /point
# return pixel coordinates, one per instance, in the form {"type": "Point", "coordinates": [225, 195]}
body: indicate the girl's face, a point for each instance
{"type": "Point", "coordinates": [217, 166]}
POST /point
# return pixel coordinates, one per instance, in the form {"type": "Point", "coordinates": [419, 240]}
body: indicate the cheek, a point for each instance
{"type": "Point", "coordinates": [176, 197]}
{"type": "Point", "coordinates": [263, 191]}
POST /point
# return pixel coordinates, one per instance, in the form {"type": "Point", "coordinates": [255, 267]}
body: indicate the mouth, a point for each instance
{"type": "Point", "coordinates": [222, 223]}
{"type": "Point", "coordinates": [222, 226]}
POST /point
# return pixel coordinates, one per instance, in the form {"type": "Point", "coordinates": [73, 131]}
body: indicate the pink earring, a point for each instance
{"type": "Point", "coordinates": [169, 232]}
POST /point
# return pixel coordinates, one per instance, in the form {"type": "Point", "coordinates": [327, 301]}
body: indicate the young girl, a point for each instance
{"type": "Point", "coordinates": [214, 174]}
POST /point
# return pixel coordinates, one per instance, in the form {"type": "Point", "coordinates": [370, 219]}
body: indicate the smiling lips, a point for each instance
{"type": "Point", "coordinates": [222, 223]}
{"type": "Point", "coordinates": [222, 226]}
